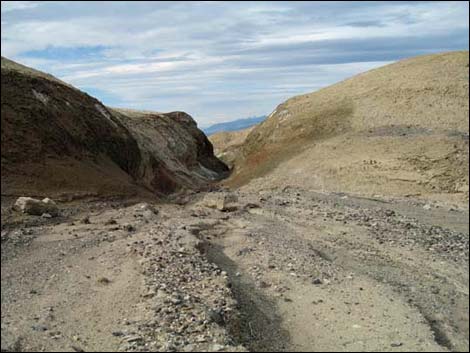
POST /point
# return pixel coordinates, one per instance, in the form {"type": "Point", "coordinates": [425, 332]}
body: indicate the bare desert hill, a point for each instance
{"type": "Point", "coordinates": [397, 130]}
{"type": "Point", "coordinates": [58, 140]}
{"type": "Point", "coordinates": [227, 143]}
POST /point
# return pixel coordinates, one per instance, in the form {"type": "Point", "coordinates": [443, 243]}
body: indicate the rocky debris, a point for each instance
{"type": "Point", "coordinates": [103, 280]}
{"type": "Point", "coordinates": [216, 315]}
{"type": "Point", "coordinates": [394, 229]}
{"type": "Point", "coordinates": [146, 211]}
{"type": "Point", "coordinates": [189, 297]}
{"type": "Point", "coordinates": [221, 201]}
{"type": "Point", "coordinates": [36, 207]}
{"type": "Point", "coordinates": [40, 328]}
{"type": "Point", "coordinates": [22, 236]}
{"type": "Point", "coordinates": [110, 221]}
{"type": "Point", "coordinates": [251, 205]}
{"type": "Point", "coordinates": [387, 226]}
{"type": "Point", "coordinates": [145, 207]}
{"type": "Point", "coordinates": [85, 220]}
{"type": "Point", "coordinates": [130, 228]}
{"type": "Point", "coordinates": [189, 301]}
{"type": "Point", "coordinates": [317, 281]}
{"type": "Point", "coordinates": [12, 344]}
{"type": "Point", "coordinates": [272, 256]}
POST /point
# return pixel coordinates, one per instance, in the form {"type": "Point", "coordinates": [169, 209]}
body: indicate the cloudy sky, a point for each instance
{"type": "Point", "coordinates": [221, 61]}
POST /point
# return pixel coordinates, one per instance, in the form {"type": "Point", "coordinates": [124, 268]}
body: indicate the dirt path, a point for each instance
{"type": "Point", "coordinates": [55, 293]}
{"type": "Point", "coordinates": [111, 279]}
{"type": "Point", "coordinates": [347, 274]}
{"type": "Point", "coordinates": [295, 270]}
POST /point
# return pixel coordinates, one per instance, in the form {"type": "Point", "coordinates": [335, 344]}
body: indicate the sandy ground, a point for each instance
{"type": "Point", "coordinates": [289, 269]}
{"type": "Point", "coordinates": [399, 161]}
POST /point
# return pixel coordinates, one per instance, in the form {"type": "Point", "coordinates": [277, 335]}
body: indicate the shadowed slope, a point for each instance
{"type": "Point", "coordinates": [57, 139]}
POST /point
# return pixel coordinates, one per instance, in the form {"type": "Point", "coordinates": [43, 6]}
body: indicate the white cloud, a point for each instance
{"type": "Point", "coordinates": [18, 5]}
{"type": "Point", "coordinates": [222, 60]}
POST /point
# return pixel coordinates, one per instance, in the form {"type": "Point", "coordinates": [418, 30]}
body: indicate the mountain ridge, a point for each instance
{"type": "Point", "coordinates": [234, 125]}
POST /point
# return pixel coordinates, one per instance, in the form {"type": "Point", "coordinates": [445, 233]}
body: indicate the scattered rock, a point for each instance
{"type": "Point", "coordinates": [36, 207]}
{"type": "Point", "coordinates": [130, 228]}
{"type": "Point", "coordinates": [85, 220]}
{"type": "Point", "coordinates": [176, 300]}
{"type": "Point", "coordinates": [147, 207]}
{"type": "Point", "coordinates": [220, 201]}
{"type": "Point", "coordinates": [40, 328]}
{"type": "Point", "coordinates": [217, 348]}
{"type": "Point", "coordinates": [250, 205]}
{"type": "Point", "coordinates": [217, 316]}
{"type": "Point", "coordinates": [317, 281]}
{"type": "Point", "coordinates": [103, 280]}
{"type": "Point", "coordinates": [396, 344]}
{"type": "Point", "coordinates": [12, 344]}
{"type": "Point", "coordinates": [133, 339]}
{"type": "Point", "coordinates": [150, 294]}
{"type": "Point", "coordinates": [263, 284]}
{"type": "Point", "coordinates": [110, 221]}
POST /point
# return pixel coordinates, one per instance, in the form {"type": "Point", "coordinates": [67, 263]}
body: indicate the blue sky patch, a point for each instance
{"type": "Point", "coordinates": [107, 98]}
{"type": "Point", "coordinates": [66, 53]}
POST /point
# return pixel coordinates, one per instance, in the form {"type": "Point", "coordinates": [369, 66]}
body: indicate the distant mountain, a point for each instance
{"type": "Point", "coordinates": [234, 125]}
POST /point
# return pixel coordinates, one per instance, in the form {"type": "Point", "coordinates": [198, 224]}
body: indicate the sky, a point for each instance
{"type": "Point", "coordinates": [221, 61]}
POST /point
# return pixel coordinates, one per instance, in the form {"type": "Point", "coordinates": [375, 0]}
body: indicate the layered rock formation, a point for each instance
{"type": "Point", "coordinates": [58, 140]}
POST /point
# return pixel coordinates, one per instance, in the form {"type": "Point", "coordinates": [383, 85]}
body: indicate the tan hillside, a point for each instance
{"type": "Point", "coordinates": [58, 140]}
{"type": "Point", "coordinates": [396, 130]}
{"type": "Point", "coordinates": [227, 143]}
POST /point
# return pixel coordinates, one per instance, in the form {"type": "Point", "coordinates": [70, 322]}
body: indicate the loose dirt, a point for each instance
{"type": "Point", "coordinates": [289, 269]}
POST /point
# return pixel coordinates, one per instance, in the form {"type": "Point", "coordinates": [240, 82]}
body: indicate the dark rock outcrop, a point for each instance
{"type": "Point", "coordinates": [174, 151]}
{"type": "Point", "coordinates": [58, 139]}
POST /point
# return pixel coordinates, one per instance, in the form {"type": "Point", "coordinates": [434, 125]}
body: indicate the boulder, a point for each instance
{"type": "Point", "coordinates": [145, 207]}
{"type": "Point", "coordinates": [220, 201]}
{"type": "Point", "coordinates": [146, 211]}
{"type": "Point", "coordinates": [36, 207]}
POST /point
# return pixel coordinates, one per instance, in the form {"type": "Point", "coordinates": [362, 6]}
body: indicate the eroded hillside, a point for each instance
{"type": "Point", "coordinates": [398, 130]}
{"type": "Point", "coordinates": [227, 143]}
{"type": "Point", "coordinates": [59, 140]}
